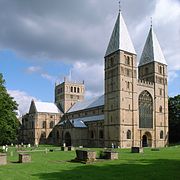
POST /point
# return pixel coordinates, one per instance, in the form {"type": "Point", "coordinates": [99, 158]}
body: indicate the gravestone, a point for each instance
{"type": "Point", "coordinates": [3, 158]}
{"type": "Point", "coordinates": [85, 156]}
{"type": "Point", "coordinates": [71, 148]}
{"type": "Point", "coordinates": [64, 148]}
{"type": "Point", "coordinates": [110, 155]}
{"type": "Point", "coordinates": [24, 158]}
{"type": "Point", "coordinates": [137, 149]}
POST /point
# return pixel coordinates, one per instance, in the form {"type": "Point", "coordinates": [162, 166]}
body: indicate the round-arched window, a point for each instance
{"type": "Point", "coordinates": [161, 134]}
{"type": "Point", "coordinates": [128, 134]}
{"type": "Point", "coordinates": [101, 134]}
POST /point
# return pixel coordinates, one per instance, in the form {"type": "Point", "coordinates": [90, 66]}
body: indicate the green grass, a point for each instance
{"type": "Point", "coordinates": [163, 164]}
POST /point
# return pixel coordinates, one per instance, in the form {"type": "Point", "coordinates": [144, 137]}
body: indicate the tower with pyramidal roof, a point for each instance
{"type": "Point", "coordinates": [136, 109]}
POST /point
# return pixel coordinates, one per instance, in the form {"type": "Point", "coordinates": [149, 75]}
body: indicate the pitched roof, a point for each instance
{"type": "Point", "coordinates": [87, 104]}
{"type": "Point", "coordinates": [80, 122]}
{"type": "Point", "coordinates": [152, 50]}
{"type": "Point", "coordinates": [120, 38]}
{"type": "Point", "coordinates": [46, 107]}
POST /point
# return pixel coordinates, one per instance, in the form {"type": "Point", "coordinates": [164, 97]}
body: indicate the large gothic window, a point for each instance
{"type": "Point", "coordinates": [145, 110]}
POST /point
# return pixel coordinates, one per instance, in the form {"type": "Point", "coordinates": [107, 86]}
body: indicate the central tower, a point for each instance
{"type": "Point", "coordinates": [120, 81]}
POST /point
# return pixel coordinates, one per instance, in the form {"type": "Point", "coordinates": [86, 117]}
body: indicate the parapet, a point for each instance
{"type": "Point", "coordinates": [145, 83]}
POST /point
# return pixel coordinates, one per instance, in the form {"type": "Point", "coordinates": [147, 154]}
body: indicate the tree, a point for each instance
{"type": "Point", "coordinates": [8, 120]}
{"type": "Point", "coordinates": [174, 119]}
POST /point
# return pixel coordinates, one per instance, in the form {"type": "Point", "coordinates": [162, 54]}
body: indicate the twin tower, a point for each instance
{"type": "Point", "coordinates": [136, 108]}
{"type": "Point", "coordinates": [136, 98]}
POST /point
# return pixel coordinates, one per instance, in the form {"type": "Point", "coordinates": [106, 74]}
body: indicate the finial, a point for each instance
{"type": "Point", "coordinates": [119, 6]}
{"type": "Point", "coordinates": [151, 22]}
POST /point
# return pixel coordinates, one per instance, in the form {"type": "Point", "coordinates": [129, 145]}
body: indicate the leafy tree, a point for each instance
{"type": "Point", "coordinates": [174, 119]}
{"type": "Point", "coordinates": [8, 120]}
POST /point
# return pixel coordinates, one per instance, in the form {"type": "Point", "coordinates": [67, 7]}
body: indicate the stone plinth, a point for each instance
{"type": "Point", "coordinates": [64, 148]}
{"type": "Point", "coordinates": [136, 149]}
{"type": "Point", "coordinates": [87, 156]}
{"type": "Point", "coordinates": [110, 155]}
{"type": "Point", "coordinates": [3, 159]}
{"type": "Point", "coordinates": [24, 158]}
{"type": "Point", "coordinates": [71, 148]}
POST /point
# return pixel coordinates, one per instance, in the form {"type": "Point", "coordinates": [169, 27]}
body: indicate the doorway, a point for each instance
{"type": "Point", "coordinates": [68, 139]}
{"type": "Point", "coordinates": [144, 141]}
{"type": "Point", "coordinates": [147, 140]}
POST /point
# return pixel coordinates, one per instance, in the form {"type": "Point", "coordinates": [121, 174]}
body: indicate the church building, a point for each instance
{"type": "Point", "coordinates": [133, 110]}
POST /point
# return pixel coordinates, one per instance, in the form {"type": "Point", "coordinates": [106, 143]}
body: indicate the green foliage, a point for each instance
{"type": "Point", "coordinates": [174, 119]}
{"type": "Point", "coordinates": [8, 120]}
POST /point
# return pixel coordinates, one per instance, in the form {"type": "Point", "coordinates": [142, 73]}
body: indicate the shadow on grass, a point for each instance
{"type": "Point", "coordinates": [141, 169]}
{"type": "Point", "coordinates": [15, 162]}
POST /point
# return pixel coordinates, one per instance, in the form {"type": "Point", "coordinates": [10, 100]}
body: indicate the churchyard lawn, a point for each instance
{"type": "Point", "coordinates": [163, 164]}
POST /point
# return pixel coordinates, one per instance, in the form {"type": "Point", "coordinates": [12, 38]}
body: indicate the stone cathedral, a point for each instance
{"type": "Point", "coordinates": [132, 112]}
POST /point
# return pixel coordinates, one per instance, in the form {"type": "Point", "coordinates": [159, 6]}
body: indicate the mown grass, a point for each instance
{"type": "Point", "coordinates": [163, 164]}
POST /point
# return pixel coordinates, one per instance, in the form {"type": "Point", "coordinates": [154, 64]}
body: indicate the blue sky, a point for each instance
{"type": "Point", "coordinates": [41, 42]}
{"type": "Point", "coordinates": [19, 75]}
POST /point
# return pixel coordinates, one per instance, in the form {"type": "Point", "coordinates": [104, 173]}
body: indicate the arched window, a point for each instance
{"type": "Point", "coordinates": [160, 109]}
{"type": "Point", "coordinates": [91, 134]}
{"type": "Point", "coordinates": [146, 70]}
{"type": "Point", "coordinates": [161, 135]}
{"type": "Point", "coordinates": [101, 134]}
{"type": "Point", "coordinates": [57, 134]}
{"type": "Point", "coordinates": [111, 62]}
{"type": "Point", "coordinates": [128, 134]}
{"type": "Point", "coordinates": [44, 124]}
{"type": "Point", "coordinates": [78, 90]}
{"type": "Point", "coordinates": [128, 85]}
{"type": "Point", "coordinates": [75, 89]}
{"type": "Point", "coordinates": [51, 125]}
{"type": "Point", "coordinates": [71, 89]}
{"type": "Point", "coordinates": [145, 110]}
{"type": "Point", "coordinates": [128, 60]}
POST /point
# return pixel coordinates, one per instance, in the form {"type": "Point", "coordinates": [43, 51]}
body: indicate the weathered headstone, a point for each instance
{"type": "Point", "coordinates": [110, 155]}
{"type": "Point", "coordinates": [24, 158]}
{"type": "Point", "coordinates": [71, 148]}
{"type": "Point", "coordinates": [85, 156]}
{"type": "Point", "coordinates": [64, 148]}
{"type": "Point", "coordinates": [137, 149]}
{"type": "Point", "coordinates": [3, 159]}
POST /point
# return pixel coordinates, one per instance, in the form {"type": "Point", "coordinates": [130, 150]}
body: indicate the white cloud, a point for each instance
{"type": "Point", "coordinates": [92, 75]}
{"type": "Point", "coordinates": [167, 11]}
{"type": "Point", "coordinates": [42, 73]}
{"type": "Point", "coordinates": [33, 69]}
{"type": "Point", "coordinates": [23, 99]}
{"type": "Point", "coordinates": [49, 77]}
{"type": "Point", "coordinates": [78, 32]}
